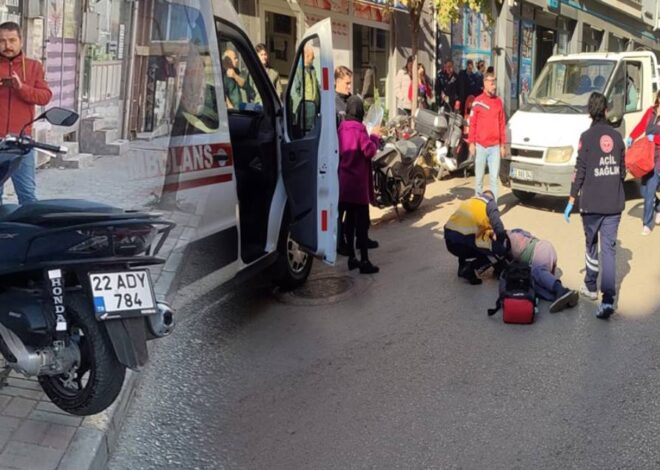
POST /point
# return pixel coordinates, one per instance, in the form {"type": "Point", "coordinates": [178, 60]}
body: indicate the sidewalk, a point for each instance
{"type": "Point", "coordinates": [34, 433]}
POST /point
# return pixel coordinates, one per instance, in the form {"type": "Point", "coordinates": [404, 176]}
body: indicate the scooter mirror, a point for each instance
{"type": "Point", "coordinates": [60, 117]}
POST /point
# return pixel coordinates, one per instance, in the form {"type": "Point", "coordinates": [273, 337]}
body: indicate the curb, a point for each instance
{"type": "Point", "coordinates": [96, 438]}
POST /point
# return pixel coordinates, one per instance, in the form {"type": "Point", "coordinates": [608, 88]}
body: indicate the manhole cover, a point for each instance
{"type": "Point", "coordinates": [324, 287]}
{"type": "Point", "coordinates": [321, 290]}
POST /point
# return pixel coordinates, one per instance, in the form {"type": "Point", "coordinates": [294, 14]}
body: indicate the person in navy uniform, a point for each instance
{"type": "Point", "coordinates": [598, 182]}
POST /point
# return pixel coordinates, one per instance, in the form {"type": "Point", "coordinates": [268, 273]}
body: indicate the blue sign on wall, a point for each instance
{"type": "Point", "coordinates": [553, 4]}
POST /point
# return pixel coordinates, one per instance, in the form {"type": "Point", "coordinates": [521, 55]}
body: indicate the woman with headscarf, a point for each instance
{"type": "Point", "coordinates": [356, 149]}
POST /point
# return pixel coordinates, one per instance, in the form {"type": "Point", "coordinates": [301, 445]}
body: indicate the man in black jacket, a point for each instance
{"type": "Point", "coordinates": [598, 182]}
{"type": "Point", "coordinates": [343, 85]}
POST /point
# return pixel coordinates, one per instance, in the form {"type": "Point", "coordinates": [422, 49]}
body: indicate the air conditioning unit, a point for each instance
{"type": "Point", "coordinates": [90, 30]}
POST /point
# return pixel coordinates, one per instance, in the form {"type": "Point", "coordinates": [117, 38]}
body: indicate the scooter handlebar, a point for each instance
{"type": "Point", "coordinates": [29, 142]}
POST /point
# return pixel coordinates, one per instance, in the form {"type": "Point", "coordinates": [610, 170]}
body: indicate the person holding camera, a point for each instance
{"type": "Point", "coordinates": [22, 88]}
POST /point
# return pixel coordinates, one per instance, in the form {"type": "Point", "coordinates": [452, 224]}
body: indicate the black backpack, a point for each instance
{"type": "Point", "coordinates": [517, 298]}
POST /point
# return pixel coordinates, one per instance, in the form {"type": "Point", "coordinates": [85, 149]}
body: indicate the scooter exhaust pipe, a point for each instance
{"type": "Point", "coordinates": [19, 356]}
{"type": "Point", "coordinates": [162, 323]}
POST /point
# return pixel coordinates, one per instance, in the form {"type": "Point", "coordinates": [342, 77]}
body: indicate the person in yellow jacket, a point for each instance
{"type": "Point", "coordinates": [474, 232]}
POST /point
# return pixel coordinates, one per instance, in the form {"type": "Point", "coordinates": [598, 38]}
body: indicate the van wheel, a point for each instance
{"type": "Point", "coordinates": [524, 196]}
{"type": "Point", "coordinates": [293, 265]}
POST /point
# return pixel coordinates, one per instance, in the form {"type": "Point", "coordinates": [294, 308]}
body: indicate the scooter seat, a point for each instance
{"type": "Point", "coordinates": [7, 209]}
{"type": "Point", "coordinates": [33, 212]}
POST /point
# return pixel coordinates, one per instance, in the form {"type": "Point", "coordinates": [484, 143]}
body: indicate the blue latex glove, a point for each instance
{"type": "Point", "coordinates": [650, 137]}
{"type": "Point", "coordinates": [628, 141]}
{"type": "Point", "coordinates": [567, 212]}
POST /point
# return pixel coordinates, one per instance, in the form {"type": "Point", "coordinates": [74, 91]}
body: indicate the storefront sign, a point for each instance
{"type": "Point", "coordinates": [527, 43]}
{"type": "Point", "coordinates": [553, 5]}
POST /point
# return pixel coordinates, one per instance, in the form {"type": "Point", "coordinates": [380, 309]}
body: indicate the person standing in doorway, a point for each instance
{"type": "Point", "coordinates": [402, 85]}
{"type": "Point", "coordinates": [447, 85]}
{"type": "Point", "coordinates": [598, 181]}
{"type": "Point", "coordinates": [478, 82]}
{"type": "Point", "coordinates": [22, 88]}
{"type": "Point", "coordinates": [273, 74]}
{"type": "Point", "coordinates": [487, 136]}
{"type": "Point", "coordinates": [343, 87]}
{"type": "Point", "coordinates": [465, 83]}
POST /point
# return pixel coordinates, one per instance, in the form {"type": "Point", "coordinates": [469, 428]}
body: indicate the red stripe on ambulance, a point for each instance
{"type": "Point", "coordinates": [179, 186]}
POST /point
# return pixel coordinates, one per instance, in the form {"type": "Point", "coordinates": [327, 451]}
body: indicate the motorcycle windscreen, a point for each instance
{"type": "Point", "coordinates": [310, 154]}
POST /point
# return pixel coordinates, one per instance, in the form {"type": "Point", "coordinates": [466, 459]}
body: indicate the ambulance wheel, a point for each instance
{"type": "Point", "coordinates": [524, 196]}
{"type": "Point", "coordinates": [293, 265]}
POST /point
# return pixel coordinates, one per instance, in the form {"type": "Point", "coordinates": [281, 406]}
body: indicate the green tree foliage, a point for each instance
{"type": "Point", "coordinates": [448, 11]}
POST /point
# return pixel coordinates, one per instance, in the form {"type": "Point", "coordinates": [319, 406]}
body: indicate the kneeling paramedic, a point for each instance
{"type": "Point", "coordinates": [541, 257]}
{"type": "Point", "coordinates": [473, 233]}
{"type": "Point", "coordinates": [598, 181]}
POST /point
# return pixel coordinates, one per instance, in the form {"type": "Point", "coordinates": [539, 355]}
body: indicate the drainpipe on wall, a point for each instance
{"type": "Point", "coordinates": [131, 70]}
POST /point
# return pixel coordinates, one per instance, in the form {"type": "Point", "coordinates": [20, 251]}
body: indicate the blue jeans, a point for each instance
{"type": "Point", "coordinates": [490, 155]}
{"type": "Point", "coordinates": [648, 188]}
{"type": "Point", "coordinates": [24, 179]}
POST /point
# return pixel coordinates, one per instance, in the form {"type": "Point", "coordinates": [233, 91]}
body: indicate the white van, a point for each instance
{"type": "Point", "coordinates": [544, 132]}
{"type": "Point", "coordinates": [260, 175]}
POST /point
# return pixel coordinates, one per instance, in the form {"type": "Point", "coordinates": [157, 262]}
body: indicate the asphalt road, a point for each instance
{"type": "Point", "coordinates": [408, 371]}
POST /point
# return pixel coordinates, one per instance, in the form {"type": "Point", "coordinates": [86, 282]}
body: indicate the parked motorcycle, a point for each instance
{"type": "Point", "coordinates": [76, 299]}
{"type": "Point", "coordinates": [396, 178]}
{"type": "Point", "coordinates": [446, 149]}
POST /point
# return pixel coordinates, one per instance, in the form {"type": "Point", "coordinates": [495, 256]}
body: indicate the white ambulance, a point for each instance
{"type": "Point", "coordinates": [260, 175]}
{"type": "Point", "coordinates": [544, 132]}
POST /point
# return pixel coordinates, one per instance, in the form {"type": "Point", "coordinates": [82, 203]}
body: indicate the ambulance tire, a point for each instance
{"type": "Point", "coordinates": [293, 265]}
{"type": "Point", "coordinates": [524, 196]}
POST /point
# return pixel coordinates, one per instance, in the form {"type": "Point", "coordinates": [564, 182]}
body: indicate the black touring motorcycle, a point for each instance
{"type": "Point", "coordinates": [76, 298]}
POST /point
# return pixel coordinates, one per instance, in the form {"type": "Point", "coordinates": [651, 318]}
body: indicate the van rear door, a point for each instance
{"type": "Point", "coordinates": [309, 149]}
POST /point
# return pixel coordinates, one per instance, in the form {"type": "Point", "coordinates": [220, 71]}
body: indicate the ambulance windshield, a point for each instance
{"type": "Point", "coordinates": [568, 84]}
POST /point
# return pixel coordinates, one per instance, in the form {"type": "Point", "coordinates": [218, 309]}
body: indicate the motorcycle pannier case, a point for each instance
{"type": "Point", "coordinates": [430, 124]}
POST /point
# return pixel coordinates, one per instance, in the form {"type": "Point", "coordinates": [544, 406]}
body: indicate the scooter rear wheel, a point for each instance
{"type": "Point", "coordinates": [416, 196]}
{"type": "Point", "coordinates": [97, 381]}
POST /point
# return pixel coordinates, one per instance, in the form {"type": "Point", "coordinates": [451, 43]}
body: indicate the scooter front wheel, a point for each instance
{"type": "Point", "coordinates": [95, 383]}
{"type": "Point", "coordinates": [416, 196]}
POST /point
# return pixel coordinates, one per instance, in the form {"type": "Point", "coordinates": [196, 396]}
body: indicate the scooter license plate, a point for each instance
{"type": "Point", "coordinates": [122, 294]}
{"type": "Point", "coordinates": [523, 175]}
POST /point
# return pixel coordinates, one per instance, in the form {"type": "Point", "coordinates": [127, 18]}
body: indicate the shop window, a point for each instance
{"type": "Point", "coordinates": [304, 93]}
{"type": "Point", "coordinates": [370, 59]}
{"type": "Point", "coordinates": [591, 39]}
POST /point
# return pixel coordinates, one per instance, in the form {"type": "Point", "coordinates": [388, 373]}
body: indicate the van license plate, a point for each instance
{"type": "Point", "coordinates": [122, 294]}
{"type": "Point", "coordinates": [524, 175]}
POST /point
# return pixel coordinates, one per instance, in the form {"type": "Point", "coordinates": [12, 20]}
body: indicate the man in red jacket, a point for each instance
{"type": "Point", "coordinates": [487, 136]}
{"type": "Point", "coordinates": [22, 86]}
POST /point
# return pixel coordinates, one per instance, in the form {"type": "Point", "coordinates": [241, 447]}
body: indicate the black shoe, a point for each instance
{"type": "Point", "coordinates": [353, 263]}
{"type": "Point", "coordinates": [467, 272]}
{"type": "Point", "coordinates": [367, 268]}
{"type": "Point", "coordinates": [371, 244]}
{"type": "Point", "coordinates": [569, 299]}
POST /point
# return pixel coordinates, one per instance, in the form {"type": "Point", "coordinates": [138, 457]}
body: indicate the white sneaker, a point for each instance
{"type": "Point", "coordinates": [646, 231]}
{"type": "Point", "coordinates": [593, 295]}
{"type": "Point", "coordinates": [657, 218]}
